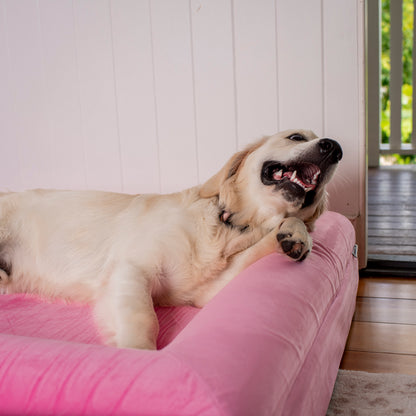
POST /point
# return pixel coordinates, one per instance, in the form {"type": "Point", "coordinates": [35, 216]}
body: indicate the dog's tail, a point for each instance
{"type": "Point", "coordinates": [4, 277]}
{"type": "Point", "coordinates": [5, 267]}
{"type": "Point", "coordinates": [5, 272]}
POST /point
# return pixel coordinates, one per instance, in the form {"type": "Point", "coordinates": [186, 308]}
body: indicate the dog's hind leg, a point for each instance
{"type": "Point", "coordinates": [126, 309]}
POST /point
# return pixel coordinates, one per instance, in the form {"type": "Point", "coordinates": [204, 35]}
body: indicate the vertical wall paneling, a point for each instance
{"type": "Point", "coordinates": [97, 93]}
{"type": "Point", "coordinates": [171, 35]}
{"type": "Point", "coordinates": [214, 84]}
{"type": "Point", "coordinates": [155, 95]}
{"type": "Point", "coordinates": [63, 93]}
{"type": "Point", "coordinates": [27, 82]}
{"type": "Point", "coordinates": [10, 164]}
{"type": "Point", "coordinates": [135, 95]}
{"type": "Point", "coordinates": [299, 46]}
{"type": "Point", "coordinates": [341, 95]}
{"type": "Point", "coordinates": [255, 69]}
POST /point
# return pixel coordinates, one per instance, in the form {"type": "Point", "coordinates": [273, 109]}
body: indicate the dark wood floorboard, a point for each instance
{"type": "Point", "coordinates": [386, 310]}
{"type": "Point", "coordinates": [392, 213]}
{"type": "Point", "coordinates": [383, 287]}
{"type": "Point", "coordinates": [382, 338]}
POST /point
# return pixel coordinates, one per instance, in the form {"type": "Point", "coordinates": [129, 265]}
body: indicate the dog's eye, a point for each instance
{"type": "Point", "coordinates": [297, 137]}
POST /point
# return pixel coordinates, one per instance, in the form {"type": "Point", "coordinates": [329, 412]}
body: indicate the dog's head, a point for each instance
{"type": "Point", "coordinates": [281, 175]}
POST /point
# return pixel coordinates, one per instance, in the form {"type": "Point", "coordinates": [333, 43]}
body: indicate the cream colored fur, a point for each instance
{"type": "Point", "coordinates": [125, 253]}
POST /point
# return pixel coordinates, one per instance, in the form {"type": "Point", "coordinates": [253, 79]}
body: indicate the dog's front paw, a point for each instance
{"type": "Point", "coordinates": [294, 239]}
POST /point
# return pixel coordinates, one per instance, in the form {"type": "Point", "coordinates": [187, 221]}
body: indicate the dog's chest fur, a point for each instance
{"type": "Point", "coordinates": [193, 247]}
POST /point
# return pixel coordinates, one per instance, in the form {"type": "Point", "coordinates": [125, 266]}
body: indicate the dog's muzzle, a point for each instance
{"type": "Point", "coordinates": [305, 173]}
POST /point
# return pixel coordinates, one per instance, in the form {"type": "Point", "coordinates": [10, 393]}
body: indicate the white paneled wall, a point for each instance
{"type": "Point", "coordinates": [155, 95]}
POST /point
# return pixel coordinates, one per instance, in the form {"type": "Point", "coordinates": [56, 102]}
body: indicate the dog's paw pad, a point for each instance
{"type": "Point", "coordinates": [292, 247]}
{"type": "Point", "coordinates": [282, 236]}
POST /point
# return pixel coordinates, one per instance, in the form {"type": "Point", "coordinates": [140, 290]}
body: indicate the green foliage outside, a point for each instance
{"type": "Point", "coordinates": [407, 77]}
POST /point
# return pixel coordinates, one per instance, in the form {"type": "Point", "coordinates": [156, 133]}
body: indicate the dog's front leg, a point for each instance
{"type": "Point", "coordinates": [240, 261]}
{"type": "Point", "coordinates": [294, 239]}
{"type": "Point", "coordinates": [126, 309]}
{"type": "Point", "coordinates": [290, 237]}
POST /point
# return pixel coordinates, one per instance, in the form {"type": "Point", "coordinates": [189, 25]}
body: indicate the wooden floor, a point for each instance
{"type": "Point", "coordinates": [392, 213]}
{"type": "Point", "coordinates": [383, 333]}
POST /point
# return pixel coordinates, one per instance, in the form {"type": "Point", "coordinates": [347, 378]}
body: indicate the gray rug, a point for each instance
{"type": "Point", "coordinates": [370, 394]}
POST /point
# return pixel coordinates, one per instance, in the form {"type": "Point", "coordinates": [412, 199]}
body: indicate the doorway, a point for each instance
{"type": "Point", "coordinates": [391, 136]}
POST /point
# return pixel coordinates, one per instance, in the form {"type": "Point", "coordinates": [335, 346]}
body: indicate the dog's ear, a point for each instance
{"type": "Point", "coordinates": [213, 185]}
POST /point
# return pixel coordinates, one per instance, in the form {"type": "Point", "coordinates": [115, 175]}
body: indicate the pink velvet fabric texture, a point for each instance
{"type": "Point", "coordinates": [268, 344]}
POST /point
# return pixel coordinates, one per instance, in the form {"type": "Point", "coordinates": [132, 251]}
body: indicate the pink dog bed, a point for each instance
{"type": "Point", "coordinates": [269, 343]}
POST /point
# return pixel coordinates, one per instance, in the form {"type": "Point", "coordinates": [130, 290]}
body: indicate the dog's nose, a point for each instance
{"type": "Point", "coordinates": [331, 148]}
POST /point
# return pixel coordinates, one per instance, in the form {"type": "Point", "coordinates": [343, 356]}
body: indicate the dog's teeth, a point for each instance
{"type": "Point", "coordinates": [315, 177]}
{"type": "Point", "coordinates": [298, 182]}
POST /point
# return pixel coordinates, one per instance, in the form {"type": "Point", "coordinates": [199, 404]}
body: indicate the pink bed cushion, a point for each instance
{"type": "Point", "coordinates": [32, 316]}
{"type": "Point", "coordinates": [239, 355]}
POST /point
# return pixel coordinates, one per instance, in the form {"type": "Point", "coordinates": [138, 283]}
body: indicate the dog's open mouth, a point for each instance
{"type": "Point", "coordinates": [299, 179]}
{"type": "Point", "coordinates": [305, 175]}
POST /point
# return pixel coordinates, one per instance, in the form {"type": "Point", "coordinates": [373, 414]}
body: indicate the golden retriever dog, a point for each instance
{"type": "Point", "coordinates": [126, 253]}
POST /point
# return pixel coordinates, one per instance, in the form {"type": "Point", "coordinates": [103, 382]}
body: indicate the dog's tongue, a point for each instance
{"type": "Point", "coordinates": [278, 175]}
{"type": "Point", "coordinates": [310, 172]}
{"type": "Point", "coordinates": [306, 176]}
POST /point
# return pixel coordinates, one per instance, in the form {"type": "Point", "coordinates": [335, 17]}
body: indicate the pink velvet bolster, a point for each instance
{"type": "Point", "coordinates": [240, 355]}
